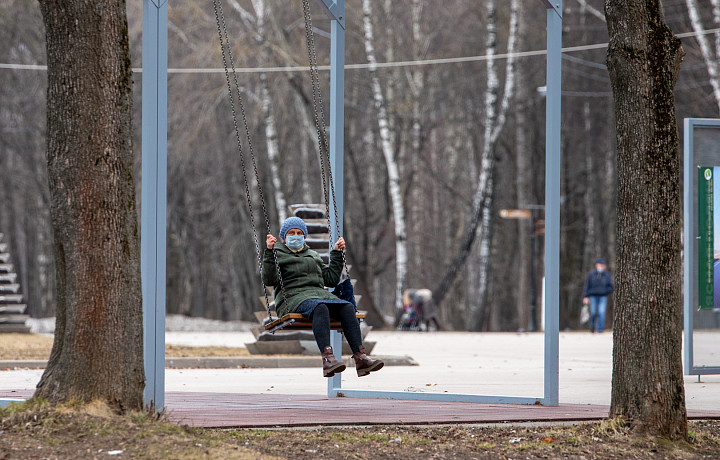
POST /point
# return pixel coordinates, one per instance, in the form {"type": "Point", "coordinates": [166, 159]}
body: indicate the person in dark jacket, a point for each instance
{"type": "Point", "coordinates": [597, 287]}
{"type": "Point", "coordinates": [304, 277]}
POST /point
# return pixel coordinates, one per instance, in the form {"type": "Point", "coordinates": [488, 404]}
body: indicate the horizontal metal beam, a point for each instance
{"type": "Point", "coordinates": [7, 402]}
{"type": "Point", "coordinates": [555, 5]}
{"type": "Point", "coordinates": [335, 9]}
{"type": "Point", "coordinates": [702, 370]}
{"type": "Point", "coordinates": [444, 397]}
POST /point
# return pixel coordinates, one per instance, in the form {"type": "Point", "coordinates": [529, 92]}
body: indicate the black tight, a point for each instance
{"type": "Point", "coordinates": [344, 312]}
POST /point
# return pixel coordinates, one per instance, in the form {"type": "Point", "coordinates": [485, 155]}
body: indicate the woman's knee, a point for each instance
{"type": "Point", "coordinates": [346, 309]}
{"type": "Point", "coordinates": [321, 310]}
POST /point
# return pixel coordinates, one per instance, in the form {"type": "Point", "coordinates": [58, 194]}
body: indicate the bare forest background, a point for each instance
{"type": "Point", "coordinates": [432, 152]}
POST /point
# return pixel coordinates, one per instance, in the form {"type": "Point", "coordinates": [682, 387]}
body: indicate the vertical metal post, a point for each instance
{"type": "Point", "coordinates": [702, 148]}
{"type": "Point", "coordinates": [335, 382]}
{"type": "Point", "coordinates": [336, 11]}
{"type": "Point", "coordinates": [689, 235]}
{"type": "Point", "coordinates": [533, 284]}
{"type": "Point", "coordinates": [154, 196]}
{"type": "Point", "coordinates": [552, 202]}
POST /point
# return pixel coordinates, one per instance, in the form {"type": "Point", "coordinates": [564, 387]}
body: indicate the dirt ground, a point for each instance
{"type": "Point", "coordinates": [35, 431]}
{"type": "Point", "coordinates": [37, 347]}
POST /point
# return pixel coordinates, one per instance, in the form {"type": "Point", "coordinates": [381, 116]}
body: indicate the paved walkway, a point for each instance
{"type": "Point", "coordinates": [238, 410]}
{"type": "Point", "coordinates": [489, 363]}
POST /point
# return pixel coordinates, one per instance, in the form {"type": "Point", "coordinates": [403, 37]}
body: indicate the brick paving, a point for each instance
{"type": "Point", "coordinates": [233, 410]}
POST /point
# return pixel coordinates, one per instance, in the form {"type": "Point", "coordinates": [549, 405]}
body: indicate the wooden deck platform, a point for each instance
{"type": "Point", "coordinates": [230, 410]}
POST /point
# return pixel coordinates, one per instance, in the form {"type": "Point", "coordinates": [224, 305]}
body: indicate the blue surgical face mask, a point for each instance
{"type": "Point", "coordinates": [295, 242]}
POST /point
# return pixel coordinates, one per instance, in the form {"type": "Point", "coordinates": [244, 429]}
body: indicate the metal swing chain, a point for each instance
{"type": "Point", "coordinates": [322, 143]}
{"type": "Point", "coordinates": [225, 44]}
{"type": "Point", "coordinates": [319, 114]}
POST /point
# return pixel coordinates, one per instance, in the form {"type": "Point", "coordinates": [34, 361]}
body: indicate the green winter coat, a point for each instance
{"type": "Point", "coordinates": [304, 276]}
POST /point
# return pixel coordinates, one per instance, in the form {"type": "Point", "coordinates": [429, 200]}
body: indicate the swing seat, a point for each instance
{"type": "Point", "coordinates": [296, 321]}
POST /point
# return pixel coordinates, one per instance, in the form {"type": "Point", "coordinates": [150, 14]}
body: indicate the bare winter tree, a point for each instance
{"type": "Point", "coordinates": [98, 350]}
{"type": "Point", "coordinates": [644, 60]}
{"type": "Point", "coordinates": [271, 134]}
{"type": "Point", "coordinates": [436, 117]}
{"type": "Point", "coordinates": [390, 162]}
{"type": "Point", "coordinates": [479, 220]}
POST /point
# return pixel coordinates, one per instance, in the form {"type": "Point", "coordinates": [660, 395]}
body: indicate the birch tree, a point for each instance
{"type": "Point", "coordinates": [271, 135]}
{"type": "Point", "coordinates": [416, 80]}
{"type": "Point", "coordinates": [494, 123]}
{"type": "Point", "coordinates": [386, 144]}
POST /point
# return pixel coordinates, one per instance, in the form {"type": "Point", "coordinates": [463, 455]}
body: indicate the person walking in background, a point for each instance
{"type": "Point", "coordinates": [597, 287]}
{"type": "Point", "coordinates": [427, 307]}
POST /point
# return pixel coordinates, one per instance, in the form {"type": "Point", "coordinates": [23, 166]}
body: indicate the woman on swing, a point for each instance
{"type": "Point", "coordinates": [304, 276]}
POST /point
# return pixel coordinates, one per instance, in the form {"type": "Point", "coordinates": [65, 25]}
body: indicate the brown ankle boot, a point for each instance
{"type": "Point", "coordinates": [330, 364]}
{"type": "Point", "coordinates": [365, 364]}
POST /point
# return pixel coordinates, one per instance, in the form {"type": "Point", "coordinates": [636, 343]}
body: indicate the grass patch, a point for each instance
{"type": "Point", "coordinates": [613, 427]}
{"type": "Point", "coordinates": [32, 347]}
{"type": "Point", "coordinates": [15, 346]}
{"type": "Point", "coordinates": [34, 429]}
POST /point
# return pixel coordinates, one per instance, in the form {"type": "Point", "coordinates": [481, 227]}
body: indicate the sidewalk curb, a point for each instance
{"type": "Point", "coordinates": [243, 362]}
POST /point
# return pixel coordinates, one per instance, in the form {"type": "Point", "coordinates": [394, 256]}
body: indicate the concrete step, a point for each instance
{"type": "Point", "coordinates": [6, 268]}
{"type": "Point", "coordinates": [309, 213]}
{"type": "Point", "coordinates": [239, 362]}
{"type": "Point", "coordinates": [4, 257]}
{"type": "Point", "coordinates": [318, 244]}
{"type": "Point", "coordinates": [8, 277]}
{"type": "Point", "coordinates": [317, 227]}
{"type": "Point", "coordinates": [9, 288]}
{"type": "Point", "coordinates": [10, 298]}
{"type": "Point", "coordinates": [6, 328]}
{"type": "Point", "coordinates": [261, 316]}
{"type": "Point", "coordinates": [13, 319]}
{"type": "Point", "coordinates": [18, 309]}
{"type": "Point", "coordinates": [297, 347]}
{"type": "Point", "coordinates": [294, 208]}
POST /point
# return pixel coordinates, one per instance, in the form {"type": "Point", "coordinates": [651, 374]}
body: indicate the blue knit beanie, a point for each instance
{"type": "Point", "coordinates": [290, 223]}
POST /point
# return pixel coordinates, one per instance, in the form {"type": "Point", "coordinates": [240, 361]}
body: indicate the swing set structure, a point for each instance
{"type": "Point", "coordinates": [154, 192]}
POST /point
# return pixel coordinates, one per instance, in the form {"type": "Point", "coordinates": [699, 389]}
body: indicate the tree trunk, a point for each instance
{"type": "Point", "coordinates": [98, 348]}
{"type": "Point", "coordinates": [644, 60]}
{"type": "Point", "coordinates": [362, 250]}
{"type": "Point", "coordinates": [590, 198]}
{"type": "Point", "coordinates": [416, 80]}
{"type": "Point", "coordinates": [523, 174]}
{"type": "Point", "coordinates": [392, 166]}
{"type": "Point", "coordinates": [271, 135]}
{"type": "Point", "coordinates": [303, 107]}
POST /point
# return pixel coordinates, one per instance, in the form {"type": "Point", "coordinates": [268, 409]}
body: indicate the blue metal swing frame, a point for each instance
{"type": "Point", "coordinates": [154, 202]}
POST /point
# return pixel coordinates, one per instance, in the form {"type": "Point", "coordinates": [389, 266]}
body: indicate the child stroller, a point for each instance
{"type": "Point", "coordinates": [411, 317]}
